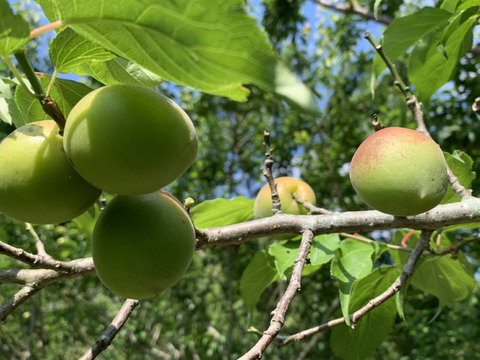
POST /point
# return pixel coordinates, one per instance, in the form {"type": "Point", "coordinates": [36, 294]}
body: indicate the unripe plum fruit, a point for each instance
{"type": "Point", "coordinates": [142, 244]}
{"type": "Point", "coordinates": [286, 187]}
{"type": "Point", "coordinates": [399, 171]}
{"type": "Point", "coordinates": [37, 182]}
{"type": "Point", "coordinates": [129, 140]}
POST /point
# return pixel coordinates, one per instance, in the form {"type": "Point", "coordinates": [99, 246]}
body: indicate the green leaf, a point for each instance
{"type": "Point", "coordinates": [354, 262]}
{"type": "Point", "coordinates": [68, 50]}
{"type": "Point", "coordinates": [86, 221]}
{"type": "Point", "coordinates": [430, 68]}
{"type": "Point", "coordinates": [449, 5]}
{"type": "Point", "coordinates": [214, 46]}
{"type": "Point", "coordinates": [259, 273]}
{"type": "Point", "coordinates": [449, 279]}
{"type": "Point", "coordinates": [461, 165]}
{"type": "Point", "coordinates": [65, 92]}
{"type": "Point", "coordinates": [119, 71]}
{"type": "Point", "coordinates": [14, 30]}
{"type": "Point", "coordinates": [404, 32]}
{"type": "Point", "coordinates": [222, 212]}
{"type": "Point", "coordinates": [8, 109]}
{"type": "Point", "coordinates": [323, 250]}
{"type": "Point", "coordinates": [374, 327]}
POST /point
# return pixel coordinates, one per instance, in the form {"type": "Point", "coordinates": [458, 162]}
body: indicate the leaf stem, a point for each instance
{"type": "Point", "coordinates": [44, 28]}
{"type": "Point", "coordinates": [30, 74]}
{"type": "Point", "coordinates": [18, 76]}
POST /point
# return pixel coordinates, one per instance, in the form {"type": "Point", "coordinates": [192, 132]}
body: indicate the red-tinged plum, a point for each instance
{"type": "Point", "coordinates": [37, 182]}
{"type": "Point", "coordinates": [129, 140]}
{"type": "Point", "coordinates": [399, 171]}
{"type": "Point", "coordinates": [142, 244]}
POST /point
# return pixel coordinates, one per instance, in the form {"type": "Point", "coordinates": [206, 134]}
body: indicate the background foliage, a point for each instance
{"type": "Point", "coordinates": [207, 314]}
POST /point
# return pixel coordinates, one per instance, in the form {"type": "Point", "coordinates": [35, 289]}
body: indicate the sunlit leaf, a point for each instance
{"type": "Point", "coordinates": [14, 30]}
{"type": "Point", "coordinates": [214, 46]}
{"type": "Point", "coordinates": [222, 212]}
{"type": "Point", "coordinates": [65, 92]}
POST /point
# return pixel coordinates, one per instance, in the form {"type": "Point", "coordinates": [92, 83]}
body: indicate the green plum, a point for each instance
{"type": "Point", "coordinates": [129, 140]}
{"type": "Point", "coordinates": [37, 182]}
{"type": "Point", "coordinates": [142, 244]}
{"type": "Point", "coordinates": [286, 186]}
{"type": "Point", "coordinates": [399, 171]}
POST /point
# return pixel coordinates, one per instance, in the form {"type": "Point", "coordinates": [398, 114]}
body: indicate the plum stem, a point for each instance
{"type": "Point", "coordinates": [49, 105]}
{"type": "Point", "coordinates": [377, 125]}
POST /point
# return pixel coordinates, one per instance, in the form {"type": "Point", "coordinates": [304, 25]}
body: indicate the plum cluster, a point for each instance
{"type": "Point", "coordinates": [126, 140]}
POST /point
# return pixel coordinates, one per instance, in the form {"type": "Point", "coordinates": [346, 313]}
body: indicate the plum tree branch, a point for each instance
{"type": "Point", "coordinates": [278, 318]}
{"type": "Point", "coordinates": [44, 262]}
{"type": "Point", "coordinates": [112, 330]}
{"type": "Point", "coordinates": [36, 279]}
{"type": "Point", "coordinates": [463, 212]}
{"type": "Point", "coordinates": [377, 301]}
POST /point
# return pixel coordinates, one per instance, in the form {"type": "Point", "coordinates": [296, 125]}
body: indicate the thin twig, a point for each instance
{"type": "Point", "coordinates": [109, 334]}
{"type": "Point", "coordinates": [279, 313]}
{"type": "Point", "coordinates": [18, 299]}
{"type": "Point", "coordinates": [267, 172]}
{"type": "Point", "coordinates": [380, 299]}
{"type": "Point", "coordinates": [365, 239]}
{"type": "Point", "coordinates": [310, 207]}
{"type": "Point", "coordinates": [354, 8]}
{"type": "Point", "coordinates": [38, 242]}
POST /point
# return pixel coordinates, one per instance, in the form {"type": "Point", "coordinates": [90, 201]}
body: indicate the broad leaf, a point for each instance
{"type": "Point", "coordinates": [354, 262]}
{"type": "Point", "coordinates": [430, 68]}
{"type": "Point", "coordinates": [259, 273]}
{"type": "Point", "coordinates": [448, 278]}
{"type": "Point", "coordinates": [214, 46]}
{"type": "Point", "coordinates": [461, 165]}
{"type": "Point", "coordinates": [404, 32]}
{"type": "Point", "coordinates": [323, 250]}
{"type": "Point", "coordinates": [14, 30]}
{"type": "Point", "coordinates": [374, 327]}
{"type": "Point", "coordinates": [65, 92]}
{"type": "Point", "coordinates": [119, 71]}
{"type": "Point", "coordinates": [222, 212]}
{"type": "Point", "coordinates": [68, 50]}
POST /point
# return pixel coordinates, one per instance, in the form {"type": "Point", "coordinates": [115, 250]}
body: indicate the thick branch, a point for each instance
{"type": "Point", "coordinates": [279, 313]}
{"type": "Point", "coordinates": [36, 279]}
{"type": "Point", "coordinates": [463, 212]}
{"type": "Point", "coordinates": [43, 262]}
{"type": "Point", "coordinates": [109, 334]}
